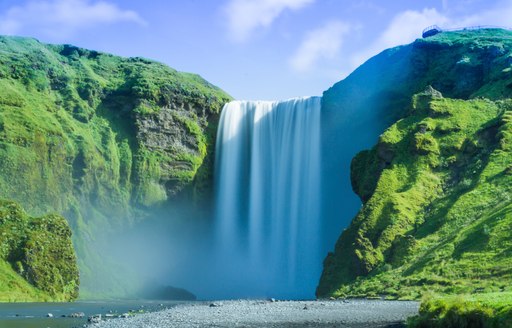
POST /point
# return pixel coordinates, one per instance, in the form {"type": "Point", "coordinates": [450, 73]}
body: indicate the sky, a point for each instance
{"type": "Point", "coordinates": [253, 49]}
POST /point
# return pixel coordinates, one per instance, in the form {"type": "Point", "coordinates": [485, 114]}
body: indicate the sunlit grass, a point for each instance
{"type": "Point", "coordinates": [475, 310]}
{"type": "Point", "coordinates": [437, 210]}
{"type": "Point", "coordinates": [68, 138]}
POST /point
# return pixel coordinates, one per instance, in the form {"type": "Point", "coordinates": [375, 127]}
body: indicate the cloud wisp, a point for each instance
{"type": "Point", "coordinates": [59, 19]}
{"type": "Point", "coordinates": [322, 43]}
{"type": "Point", "coordinates": [408, 25]}
{"type": "Point", "coordinates": [404, 28]}
{"type": "Point", "coordinates": [245, 16]}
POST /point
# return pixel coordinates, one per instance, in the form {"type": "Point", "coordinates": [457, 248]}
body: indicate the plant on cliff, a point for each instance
{"type": "Point", "coordinates": [101, 139]}
{"type": "Point", "coordinates": [436, 187]}
{"type": "Point", "coordinates": [37, 259]}
{"type": "Point", "coordinates": [436, 215]}
{"type": "Point", "coordinates": [477, 310]}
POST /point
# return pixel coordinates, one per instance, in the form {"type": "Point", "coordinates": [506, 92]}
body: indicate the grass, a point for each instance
{"type": "Point", "coordinates": [436, 187]}
{"type": "Point", "coordinates": [37, 259]}
{"type": "Point", "coordinates": [437, 217]}
{"type": "Point", "coordinates": [71, 138]}
{"type": "Point", "coordinates": [475, 310]}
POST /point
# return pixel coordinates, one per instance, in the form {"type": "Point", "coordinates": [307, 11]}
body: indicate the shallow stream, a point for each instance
{"type": "Point", "coordinates": [35, 315]}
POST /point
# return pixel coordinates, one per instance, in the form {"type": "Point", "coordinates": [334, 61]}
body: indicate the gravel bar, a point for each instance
{"type": "Point", "coordinates": [295, 314]}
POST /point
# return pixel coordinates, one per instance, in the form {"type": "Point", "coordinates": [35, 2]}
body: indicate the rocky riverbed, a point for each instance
{"type": "Point", "coordinates": [273, 314]}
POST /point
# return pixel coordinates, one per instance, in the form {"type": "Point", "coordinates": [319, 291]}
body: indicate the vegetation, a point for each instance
{"type": "Point", "coordinates": [437, 205]}
{"type": "Point", "coordinates": [37, 259]}
{"type": "Point", "coordinates": [477, 310]}
{"type": "Point", "coordinates": [100, 139]}
{"type": "Point", "coordinates": [436, 188]}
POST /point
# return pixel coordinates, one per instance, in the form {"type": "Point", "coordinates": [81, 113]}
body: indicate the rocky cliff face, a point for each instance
{"type": "Point", "coordinates": [101, 139]}
{"type": "Point", "coordinates": [179, 133]}
{"type": "Point", "coordinates": [410, 233]}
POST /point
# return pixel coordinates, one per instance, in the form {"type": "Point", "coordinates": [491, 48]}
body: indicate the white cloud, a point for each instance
{"type": "Point", "coordinates": [244, 16]}
{"type": "Point", "coordinates": [324, 42]}
{"type": "Point", "coordinates": [61, 18]}
{"type": "Point", "coordinates": [404, 28]}
{"type": "Point", "coordinates": [408, 25]}
{"type": "Point", "coordinates": [497, 16]}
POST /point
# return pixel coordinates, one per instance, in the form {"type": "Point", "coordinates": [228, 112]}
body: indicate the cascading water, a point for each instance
{"type": "Point", "coordinates": [268, 198]}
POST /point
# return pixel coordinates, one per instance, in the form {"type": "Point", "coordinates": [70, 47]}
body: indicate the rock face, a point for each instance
{"type": "Point", "coordinates": [101, 139]}
{"type": "Point", "coordinates": [176, 133]}
{"type": "Point", "coordinates": [37, 259]}
{"type": "Point", "coordinates": [425, 218]}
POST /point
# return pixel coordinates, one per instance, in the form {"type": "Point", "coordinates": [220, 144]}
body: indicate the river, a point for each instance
{"type": "Point", "coordinates": [35, 315]}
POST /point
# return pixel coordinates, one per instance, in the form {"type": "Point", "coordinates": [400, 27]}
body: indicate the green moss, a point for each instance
{"type": "Point", "coordinates": [37, 259]}
{"type": "Point", "coordinates": [438, 180]}
{"type": "Point", "coordinates": [475, 310]}
{"type": "Point", "coordinates": [436, 219]}
{"type": "Point", "coordinates": [69, 142]}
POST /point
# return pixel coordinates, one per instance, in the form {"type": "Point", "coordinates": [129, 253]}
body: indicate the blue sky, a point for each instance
{"type": "Point", "coordinates": [253, 49]}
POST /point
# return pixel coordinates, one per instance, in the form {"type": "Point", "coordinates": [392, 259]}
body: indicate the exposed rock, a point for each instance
{"type": "Point", "coordinates": [166, 293]}
{"type": "Point", "coordinates": [431, 92]}
{"type": "Point", "coordinates": [170, 132]}
{"type": "Point", "coordinates": [77, 315]}
{"type": "Point", "coordinates": [94, 318]}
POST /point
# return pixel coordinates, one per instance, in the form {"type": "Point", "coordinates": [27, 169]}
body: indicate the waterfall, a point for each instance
{"type": "Point", "coordinates": [268, 199]}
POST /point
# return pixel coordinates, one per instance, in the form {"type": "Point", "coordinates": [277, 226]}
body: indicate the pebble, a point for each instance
{"type": "Point", "coordinates": [245, 313]}
{"type": "Point", "coordinates": [77, 315]}
{"type": "Point", "coordinates": [95, 318]}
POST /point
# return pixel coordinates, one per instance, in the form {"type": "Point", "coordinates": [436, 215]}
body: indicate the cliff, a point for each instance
{"type": "Point", "coordinates": [101, 139]}
{"type": "Point", "coordinates": [436, 187]}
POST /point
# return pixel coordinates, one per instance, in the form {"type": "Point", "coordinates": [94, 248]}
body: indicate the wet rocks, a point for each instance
{"type": "Point", "coordinates": [94, 318]}
{"type": "Point", "coordinates": [76, 315]}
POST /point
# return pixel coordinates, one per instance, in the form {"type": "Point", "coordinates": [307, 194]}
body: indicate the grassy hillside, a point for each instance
{"type": "Point", "coordinates": [37, 259]}
{"type": "Point", "coordinates": [436, 189]}
{"type": "Point", "coordinates": [461, 65]}
{"type": "Point", "coordinates": [437, 205]}
{"type": "Point", "coordinates": [480, 310]}
{"type": "Point", "coordinates": [101, 139]}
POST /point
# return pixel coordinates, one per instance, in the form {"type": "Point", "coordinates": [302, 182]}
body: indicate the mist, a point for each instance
{"type": "Point", "coordinates": [170, 248]}
{"type": "Point", "coordinates": [180, 244]}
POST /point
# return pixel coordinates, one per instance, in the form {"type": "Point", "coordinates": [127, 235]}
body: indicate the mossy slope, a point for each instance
{"type": "Point", "coordinates": [493, 310]}
{"type": "Point", "coordinates": [437, 205]}
{"type": "Point", "coordinates": [37, 259]}
{"type": "Point", "coordinates": [461, 65]}
{"type": "Point", "coordinates": [100, 139]}
{"type": "Point", "coordinates": [436, 189]}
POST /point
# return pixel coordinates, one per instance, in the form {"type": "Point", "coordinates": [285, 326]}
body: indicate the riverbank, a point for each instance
{"type": "Point", "coordinates": [482, 310]}
{"type": "Point", "coordinates": [295, 314]}
{"type": "Point", "coordinates": [74, 314]}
